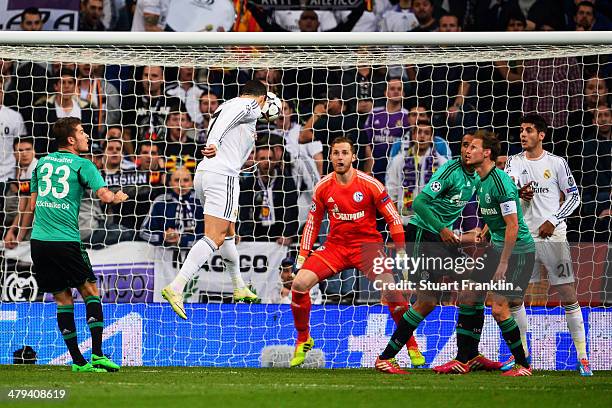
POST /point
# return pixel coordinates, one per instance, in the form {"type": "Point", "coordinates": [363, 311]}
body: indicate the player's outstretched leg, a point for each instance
{"type": "Point", "coordinates": [231, 259]}
{"type": "Point", "coordinates": [405, 328]}
{"type": "Point", "coordinates": [397, 310]}
{"type": "Point", "coordinates": [198, 255]}
{"type": "Point", "coordinates": [67, 327]}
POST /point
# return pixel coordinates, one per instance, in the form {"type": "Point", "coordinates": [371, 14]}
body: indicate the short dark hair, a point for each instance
{"type": "Point", "coordinates": [424, 122]}
{"type": "Point", "coordinates": [146, 143]}
{"type": "Point", "coordinates": [254, 87]}
{"type": "Point", "coordinates": [489, 141]}
{"type": "Point", "coordinates": [23, 139]}
{"type": "Point", "coordinates": [451, 15]}
{"type": "Point", "coordinates": [63, 129]}
{"type": "Point", "coordinates": [536, 120]}
{"type": "Point", "coordinates": [585, 4]}
{"type": "Point", "coordinates": [30, 10]}
{"type": "Point", "coordinates": [66, 72]}
{"type": "Point", "coordinates": [342, 139]}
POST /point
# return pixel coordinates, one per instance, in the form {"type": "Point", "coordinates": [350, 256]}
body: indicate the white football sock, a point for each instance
{"type": "Point", "coordinates": [231, 260]}
{"type": "Point", "coordinates": [575, 324]}
{"type": "Point", "coordinates": [520, 316]}
{"type": "Point", "coordinates": [198, 255]}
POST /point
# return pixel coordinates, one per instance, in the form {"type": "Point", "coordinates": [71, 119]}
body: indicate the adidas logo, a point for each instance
{"type": "Point", "coordinates": [330, 200]}
{"type": "Point", "coordinates": [92, 320]}
{"type": "Point", "coordinates": [524, 172]}
{"type": "Point", "coordinates": [66, 331]}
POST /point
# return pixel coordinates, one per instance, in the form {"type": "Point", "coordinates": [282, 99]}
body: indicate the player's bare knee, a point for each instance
{"type": "Point", "coordinates": [218, 238]}
{"type": "Point", "coordinates": [567, 293]}
{"type": "Point", "coordinates": [63, 298]}
{"type": "Point", "coordinates": [301, 283]}
{"type": "Point", "coordinates": [500, 311]}
{"type": "Point", "coordinates": [424, 305]}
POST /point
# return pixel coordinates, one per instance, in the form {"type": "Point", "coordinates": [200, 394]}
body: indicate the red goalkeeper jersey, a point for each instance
{"type": "Point", "coordinates": [351, 210]}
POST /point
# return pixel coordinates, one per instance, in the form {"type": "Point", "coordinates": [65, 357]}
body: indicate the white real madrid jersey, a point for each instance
{"type": "Point", "coordinates": [232, 130]}
{"type": "Point", "coordinates": [555, 192]}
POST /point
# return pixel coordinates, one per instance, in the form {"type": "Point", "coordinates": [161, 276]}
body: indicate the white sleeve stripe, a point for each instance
{"type": "Point", "coordinates": [568, 206]}
{"type": "Point", "coordinates": [231, 125]}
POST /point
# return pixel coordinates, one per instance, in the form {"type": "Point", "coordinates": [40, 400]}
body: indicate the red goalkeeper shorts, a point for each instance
{"type": "Point", "coordinates": [330, 259]}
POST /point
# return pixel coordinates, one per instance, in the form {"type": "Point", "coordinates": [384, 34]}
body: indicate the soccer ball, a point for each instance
{"type": "Point", "coordinates": [271, 109]}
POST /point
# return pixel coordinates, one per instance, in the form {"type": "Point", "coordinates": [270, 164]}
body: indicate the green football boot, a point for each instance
{"type": "Point", "coordinates": [104, 363]}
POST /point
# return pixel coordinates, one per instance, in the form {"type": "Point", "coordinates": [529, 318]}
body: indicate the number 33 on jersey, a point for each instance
{"type": "Point", "coordinates": [60, 180]}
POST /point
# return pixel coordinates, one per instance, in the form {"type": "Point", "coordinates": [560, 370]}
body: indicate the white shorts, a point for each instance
{"type": "Point", "coordinates": [556, 259]}
{"type": "Point", "coordinates": [218, 194]}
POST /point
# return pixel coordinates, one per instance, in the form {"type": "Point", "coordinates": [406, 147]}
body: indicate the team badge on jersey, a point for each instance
{"type": "Point", "coordinates": [570, 181]}
{"type": "Point", "coordinates": [488, 198]}
{"type": "Point", "coordinates": [436, 186]}
{"type": "Point", "coordinates": [547, 174]}
{"type": "Point", "coordinates": [358, 196]}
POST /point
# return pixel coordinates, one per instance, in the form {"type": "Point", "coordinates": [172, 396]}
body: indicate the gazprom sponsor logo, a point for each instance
{"type": "Point", "coordinates": [488, 211]}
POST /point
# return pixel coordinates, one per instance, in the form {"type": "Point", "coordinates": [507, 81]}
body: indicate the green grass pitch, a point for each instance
{"type": "Point", "coordinates": [238, 387]}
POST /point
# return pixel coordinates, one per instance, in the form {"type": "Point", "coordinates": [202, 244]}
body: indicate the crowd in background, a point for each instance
{"type": "Point", "coordinates": [148, 124]}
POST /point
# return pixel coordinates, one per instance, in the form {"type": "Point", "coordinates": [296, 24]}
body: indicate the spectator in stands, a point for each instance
{"type": "Point", "coordinates": [63, 103]}
{"type": "Point", "coordinates": [90, 18]}
{"type": "Point", "coordinates": [13, 129]}
{"type": "Point", "coordinates": [31, 19]}
{"type": "Point", "coordinates": [114, 160]}
{"type": "Point", "coordinates": [308, 22]}
{"type": "Point", "coordinates": [268, 202]}
{"type": "Point", "coordinates": [145, 114]}
{"type": "Point", "coordinates": [272, 78]}
{"type": "Point", "coordinates": [415, 114]}
{"type": "Point", "coordinates": [290, 19]}
{"type": "Point", "coordinates": [302, 167]}
{"type": "Point", "coordinates": [23, 84]}
{"type": "Point", "coordinates": [125, 16]}
{"type": "Point", "coordinates": [207, 106]}
{"type": "Point", "coordinates": [446, 89]}
{"type": "Point", "coordinates": [187, 90]}
{"type": "Point", "coordinates": [385, 126]}
{"type": "Point", "coordinates": [191, 16]}
{"type": "Point", "coordinates": [116, 132]}
{"type": "Point", "coordinates": [17, 200]}
{"type": "Point", "coordinates": [587, 18]}
{"type": "Point", "coordinates": [282, 294]}
{"type": "Point", "coordinates": [290, 129]}
{"type": "Point", "coordinates": [552, 89]}
{"type": "Point", "coordinates": [148, 158]}
{"type": "Point", "coordinates": [176, 218]}
{"type": "Point", "coordinates": [581, 121]}
{"type": "Point", "coordinates": [449, 23]}
{"type": "Point", "coordinates": [102, 96]}
{"type": "Point", "coordinates": [400, 18]}
{"type": "Point", "coordinates": [595, 157]}
{"type": "Point", "coordinates": [424, 12]}
{"type": "Point", "coordinates": [329, 121]}
{"type": "Point", "coordinates": [150, 15]}
{"type": "Point", "coordinates": [411, 169]}
{"type": "Point", "coordinates": [178, 146]}
{"type": "Point", "coordinates": [362, 83]}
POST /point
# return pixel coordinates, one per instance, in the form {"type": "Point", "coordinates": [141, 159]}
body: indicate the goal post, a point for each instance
{"type": "Point", "coordinates": [144, 125]}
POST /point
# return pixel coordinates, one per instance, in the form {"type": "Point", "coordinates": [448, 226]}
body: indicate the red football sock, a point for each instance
{"type": "Point", "coordinates": [397, 310]}
{"type": "Point", "coordinates": [300, 306]}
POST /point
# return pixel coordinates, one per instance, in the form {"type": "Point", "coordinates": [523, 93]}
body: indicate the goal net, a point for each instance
{"type": "Point", "coordinates": [147, 101]}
